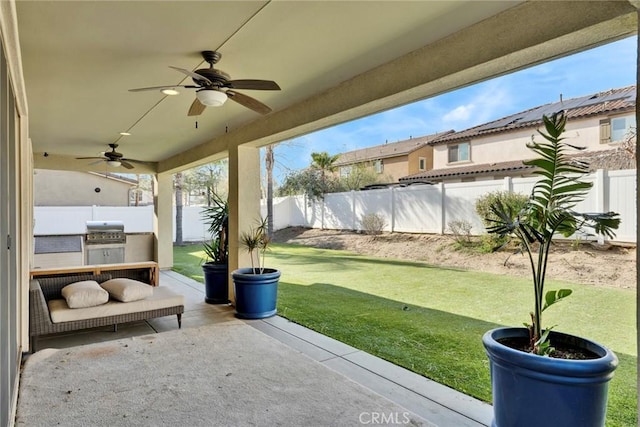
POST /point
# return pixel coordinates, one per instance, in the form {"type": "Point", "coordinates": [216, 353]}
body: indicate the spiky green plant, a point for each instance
{"type": "Point", "coordinates": [549, 211]}
{"type": "Point", "coordinates": [256, 242]}
{"type": "Point", "coordinates": [216, 217]}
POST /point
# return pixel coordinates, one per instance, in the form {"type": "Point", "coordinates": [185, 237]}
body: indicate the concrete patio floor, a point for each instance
{"type": "Point", "coordinates": [438, 404]}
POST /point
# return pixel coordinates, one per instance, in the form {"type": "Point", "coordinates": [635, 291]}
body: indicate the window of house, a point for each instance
{"type": "Point", "coordinates": [422, 163]}
{"type": "Point", "coordinates": [459, 152]}
{"type": "Point", "coordinates": [622, 127]}
{"type": "Point", "coordinates": [617, 129]}
{"type": "Point", "coordinates": [377, 165]}
{"type": "Point", "coordinates": [345, 171]}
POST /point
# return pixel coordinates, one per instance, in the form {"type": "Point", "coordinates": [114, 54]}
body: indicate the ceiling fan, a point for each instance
{"type": "Point", "coordinates": [214, 87]}
{"type": "Point", "coordinates": [113, 158]}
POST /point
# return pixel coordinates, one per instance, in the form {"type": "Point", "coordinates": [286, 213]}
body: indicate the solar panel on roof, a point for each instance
{"type": "Point", "coordinates": [536, 114]}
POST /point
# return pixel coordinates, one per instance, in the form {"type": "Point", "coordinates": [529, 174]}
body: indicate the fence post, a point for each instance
{"type": "Point", "coordinates": [600, 194]}
{"type": "Point", "coordinates": [305, 211]}
{"type": "Point", "coordinates": [354, 221]}
{"type": "Point", "coordinates": [507, 184]}
{"type": "Point", "coordinates": [443, 215]}
{"type": "Point", "coordinates": [393, 209]}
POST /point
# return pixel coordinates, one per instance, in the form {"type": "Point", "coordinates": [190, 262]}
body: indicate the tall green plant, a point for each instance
{"type": "Point", "coordinates": [549, 211]}
{"type": "Point", "coordinates": [216, 217]}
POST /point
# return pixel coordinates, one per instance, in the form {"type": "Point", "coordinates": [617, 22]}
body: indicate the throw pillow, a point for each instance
{"type": "Point", "coordinates": [87, 293]}
{"type": "Point", "coordinates": [126, 290]}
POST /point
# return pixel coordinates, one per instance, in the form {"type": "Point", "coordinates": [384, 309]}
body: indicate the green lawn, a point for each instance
{"type": "Point", "coordinates": [431, 320]}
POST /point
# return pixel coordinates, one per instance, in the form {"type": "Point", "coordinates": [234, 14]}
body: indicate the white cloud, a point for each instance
{"type": "Point", "coordinates": [461, 113]}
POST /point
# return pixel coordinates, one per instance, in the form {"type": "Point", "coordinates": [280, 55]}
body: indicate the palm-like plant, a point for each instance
{"type": "Point", "coordinates": [324, 162]}
{"type": "Point", "coordinates": [549, 211]}
{"type": "Point", "coordinates": [254, 241]}
{"type": "Point", "coordinates": [216, 217]}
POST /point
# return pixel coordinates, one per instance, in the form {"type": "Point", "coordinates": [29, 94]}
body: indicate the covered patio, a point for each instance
{"type": "Point", "coordinates": [219, 370]}
{"type": "Point", "coordinates": [67, 67]}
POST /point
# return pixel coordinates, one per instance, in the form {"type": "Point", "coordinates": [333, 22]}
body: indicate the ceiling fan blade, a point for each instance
{"type": "Point", "coordinates": [89, 158]}
{"type": "Point", "coordinates": [126, 164]}
{"type": "Point", "coordinates": [253, 84]}
{"type": "Point", "coordinates": [143, 89]}
{"type": "Point", "coordinates": [137, 161]}
{"type": "Point", "coordinates": [196, 108]}
{"type": "Point", "coordinates": [193, 75]}
{"type": "Point", "coordinates": [248, 102]}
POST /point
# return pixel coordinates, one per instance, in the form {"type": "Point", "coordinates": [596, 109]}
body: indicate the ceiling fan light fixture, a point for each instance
{"type": "Point", "coordinates": [170, 92]}
{"type": "Point", "coordinates": [113, 163]}
{"type": "Point", "coordinates": [211, 97]}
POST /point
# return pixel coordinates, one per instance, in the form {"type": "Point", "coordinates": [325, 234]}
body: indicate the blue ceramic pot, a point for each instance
{"type": "Point", "coordinates": [216, 283]}
{"type": "Point", "coordinates": [531, 390]}
{"type": "Point", "coordinates": [256, 294]}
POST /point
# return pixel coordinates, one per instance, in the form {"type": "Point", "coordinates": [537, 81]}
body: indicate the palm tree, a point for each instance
{"type": "Point", "coordinates": [324, 163]}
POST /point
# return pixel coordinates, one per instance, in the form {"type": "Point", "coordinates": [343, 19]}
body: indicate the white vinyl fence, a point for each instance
{"type": "Point", "coordinates": [412, 209]}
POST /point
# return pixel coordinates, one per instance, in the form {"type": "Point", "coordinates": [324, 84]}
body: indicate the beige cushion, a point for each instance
{"type": "Point", "coordinates": [87, 293]}
{"type": "Point", "coordinates": [127, 290]}
{"type": "Point", "coordinates": [161, 298]}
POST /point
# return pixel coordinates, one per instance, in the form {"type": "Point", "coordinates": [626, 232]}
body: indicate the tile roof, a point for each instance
{"type": "Point", "coordinates": [613, 159]}
{"type": "Point", "coordinates": [393, 149]}
{"type": "Point", "coordinates": [611, 101]}
{"type": "Point", "coordinates": [464, 171]}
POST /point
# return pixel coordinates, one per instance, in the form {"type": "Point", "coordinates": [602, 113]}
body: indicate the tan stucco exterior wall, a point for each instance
{"type": "Point", "coordinates": [394, 168]}
{"type": "Point", "coordinates": [513, 145]}
{"type": "Point", "coordinates": [69, 188]}
{"type": "Point", "coordinates": [413, 160]}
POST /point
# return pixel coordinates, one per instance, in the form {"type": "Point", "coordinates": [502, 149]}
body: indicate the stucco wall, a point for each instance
{"type": "Point", "coordinates": [512, 146]}
{"type": "Point", "coordinates": [67, 188]}
{"type": "Point", "coordinates": [413, 165]}
{"type": "Point", "coordinates": [394, 168]}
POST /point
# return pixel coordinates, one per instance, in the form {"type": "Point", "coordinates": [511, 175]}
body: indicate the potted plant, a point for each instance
{"type": "Point", "coordinates": [256, 288]}
{"type": "Point", "coordinates": [216, 265]}
{"type": "Point", "coordinates": [539, 376]}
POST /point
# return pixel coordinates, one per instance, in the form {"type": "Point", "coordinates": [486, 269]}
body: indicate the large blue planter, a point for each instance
{"type": "Point", "coordinates": [531, 390]}
{"type": "Point", "coordinates": [256, 294]}
{"type": "Point", "coordinates": [216, 283]}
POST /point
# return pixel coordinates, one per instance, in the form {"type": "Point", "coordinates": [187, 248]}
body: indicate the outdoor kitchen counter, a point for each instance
{"type": "Point", "coordinates": [151, 266]}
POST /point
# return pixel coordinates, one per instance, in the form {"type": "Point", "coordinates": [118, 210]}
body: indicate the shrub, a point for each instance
{"type": "Point", "coordinates": [513, 201]}
{"type": "Point", "coordinates": [373, 224]}
{"type": "Point", "coordinates": [461, 230]}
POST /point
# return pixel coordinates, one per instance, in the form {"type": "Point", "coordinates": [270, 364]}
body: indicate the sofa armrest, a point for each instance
{"type": "Point", "coordinates": [39, 318]}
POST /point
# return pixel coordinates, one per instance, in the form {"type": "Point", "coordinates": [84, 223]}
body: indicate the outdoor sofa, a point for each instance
{"type": "Point", "coordinates": [45, 296]}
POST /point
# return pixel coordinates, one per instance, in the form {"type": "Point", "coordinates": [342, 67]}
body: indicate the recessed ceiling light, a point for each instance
{"type": "Point", "coordinates": [170, 92]}
{"type": "Point", "coordinates": [125, 134]}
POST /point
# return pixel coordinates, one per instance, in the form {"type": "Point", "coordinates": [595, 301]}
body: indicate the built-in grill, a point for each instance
{"type": "Point", "coordinates": [105, 232]}
{"type": "Point", "coordinates": [105, 242]}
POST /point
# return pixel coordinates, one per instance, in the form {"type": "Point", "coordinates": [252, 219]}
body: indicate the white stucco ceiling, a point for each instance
{"type": "Point", "coordinates": [80, 59]}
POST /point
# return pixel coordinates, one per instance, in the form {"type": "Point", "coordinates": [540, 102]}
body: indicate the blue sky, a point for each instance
{"type": "Point", "coordinates": [595, 70]}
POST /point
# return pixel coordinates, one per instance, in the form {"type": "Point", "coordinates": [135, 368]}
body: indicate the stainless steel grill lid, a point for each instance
{"type": "Point", "coordinates": [111, 225]}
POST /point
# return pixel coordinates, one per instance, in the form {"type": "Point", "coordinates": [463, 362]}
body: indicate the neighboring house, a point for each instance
{"type": "Point", "coordinates": [604, 123]}
{"type": "Point", "coordinates": [67, 188]}
{"type": "Point", "coordinates": [393, 160]}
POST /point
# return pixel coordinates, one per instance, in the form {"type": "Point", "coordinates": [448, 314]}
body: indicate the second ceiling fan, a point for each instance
{"type": "Point", "coordinates": [214, 87]}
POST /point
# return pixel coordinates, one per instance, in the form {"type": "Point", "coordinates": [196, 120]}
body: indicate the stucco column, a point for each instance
{"type": "Point", "coordinates": [244, 202]}
{"type": "Point", "coordinates": [163, 219]}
